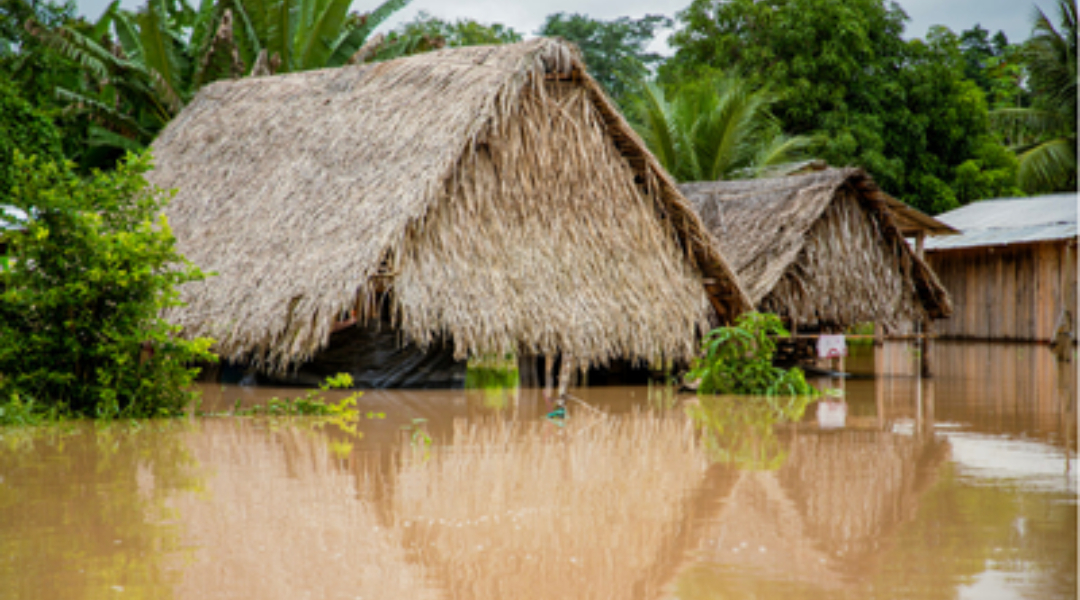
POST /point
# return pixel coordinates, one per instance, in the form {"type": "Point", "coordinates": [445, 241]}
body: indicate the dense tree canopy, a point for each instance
{"type": "Point", "coordinates": [904, 110]}
{"type": "Point", "coordinates": [425, 33]}
{"type": "Point", "coordinates": [615, 51]}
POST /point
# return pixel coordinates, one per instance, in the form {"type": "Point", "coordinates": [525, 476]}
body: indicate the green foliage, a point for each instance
{"type": "Point", "coordinates": [901, 109]}
{"type": "Point", "coordinates": [34, 70]}
{"type": "Point", "coordinates": [992, 173]}
{"type": "Point", "coordinates": [738, 360]}
{"type": "Point", "coordinates": [22, 129]}
{"type": "Point", "coordinates": [716, 128]}
{"type": "Point", "coordinates": [15, 411]}
{"type": "Point", "coordinates": [1047, 154]}
{"type": "Point", "coordinates": [614, 51]}
{"type": "Point", "coordinates": [86, 278]}
{"type": "Point", "coordinates": [141, 67]}
{"type": "Point", "coordinates": [419, 438]}
{"type": "Point", "coordinates": [312, 404]}
{"type": "Point", "coordinates": [426, 33]}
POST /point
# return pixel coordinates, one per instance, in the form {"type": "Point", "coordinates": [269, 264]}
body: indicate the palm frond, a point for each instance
{"type": "Point", "coordinates": [1049, 166]}
{"type": "Point", "coordinates": [1037, 121]}
{"type": "Point", "coordinates": [381, 13]}
{"type": "Point", "coordinates": [128, 35]}
{"type": "Point", "coordinates": [85, 104]}
{"type": "Point", "coordinates": [103, 138]}
{"type": "Point", "coordinates": [319, 36]}
{"type": "Point", "coordinates": [78, 48]}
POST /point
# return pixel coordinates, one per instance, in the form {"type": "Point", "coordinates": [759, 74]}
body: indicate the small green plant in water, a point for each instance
{"type": "Point", "coordinates": [418, 435]}
{"type": "Point", "coordinates": [311, 404]}
{"type": "Point", "coordinates": [739, 360]}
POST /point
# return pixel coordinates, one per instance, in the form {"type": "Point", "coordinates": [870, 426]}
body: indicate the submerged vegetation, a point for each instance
{"type": "Point", "coordinates": [739, 360]}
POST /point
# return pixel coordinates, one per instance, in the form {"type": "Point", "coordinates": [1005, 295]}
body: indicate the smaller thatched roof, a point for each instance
{"type": "Point", "coordinates": [494, 194]}
{"type": "Point", "coordinates": [823, 246]}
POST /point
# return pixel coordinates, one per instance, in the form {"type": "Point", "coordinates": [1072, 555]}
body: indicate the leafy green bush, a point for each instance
{"type": "Point", "coordinates": [738, 360]}
{"type": "Point", "coordinates": [86, 277]}
{"type": "Point", "coordinates": [23, 129]}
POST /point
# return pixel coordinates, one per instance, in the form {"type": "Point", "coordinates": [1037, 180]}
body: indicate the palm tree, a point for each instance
{"type": "Point", "coordinates": [716, 130]}
{"type": "Point", "coordinates": [1048, 163]}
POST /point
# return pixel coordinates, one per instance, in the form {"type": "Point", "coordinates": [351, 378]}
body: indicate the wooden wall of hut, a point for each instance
{"type": "Point", "coordinates": [1009, 293]}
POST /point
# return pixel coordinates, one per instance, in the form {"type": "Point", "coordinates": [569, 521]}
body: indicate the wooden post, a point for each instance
{"type": "Point", "coordinates": [549, 374]}
{"type": "Point", "coordinates": [527, 374]}
{"type": "Point", "coordinates": [925, 326]}
{"type": "Point", "coordinates": [566, 371]}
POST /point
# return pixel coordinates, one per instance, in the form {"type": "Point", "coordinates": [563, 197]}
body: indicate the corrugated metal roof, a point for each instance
{"type": "Point", "coordinates": [1010, 221]}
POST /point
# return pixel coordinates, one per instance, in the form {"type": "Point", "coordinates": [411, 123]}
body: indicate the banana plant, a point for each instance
{"type": "Point", "coordinates": [300, 35]}
{"type": "Point", "coordinates": [141, 67]}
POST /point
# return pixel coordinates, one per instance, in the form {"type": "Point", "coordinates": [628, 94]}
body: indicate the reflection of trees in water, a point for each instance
{"type": "Point", "coordinates": [83, 513]}
{"type": "Point", "coordinates": [740, 431]}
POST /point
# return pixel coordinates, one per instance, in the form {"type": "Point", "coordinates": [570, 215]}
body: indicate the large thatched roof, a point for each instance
{"type": "Point", "coordinates": [822, 246]}
{"type": "Point", "coordinates": [495, 191]}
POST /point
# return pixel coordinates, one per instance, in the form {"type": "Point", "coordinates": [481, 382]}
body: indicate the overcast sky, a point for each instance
{"type": "Point", "coordinates": [1011, 16]}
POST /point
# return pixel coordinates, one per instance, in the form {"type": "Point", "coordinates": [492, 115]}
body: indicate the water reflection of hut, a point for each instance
{"type": "Point", "coordinates": [490, 196]}
{"type": "Point", "coordinates": [828, 514]}
{"type": "Point", "coordinates": [1012, 271]}
{"type": "Point", "coordinates": [825, 247]}
{"type": "Point", "coordinates": [529, 510]}
{"type": "Point", "coordinates": [277, 517]}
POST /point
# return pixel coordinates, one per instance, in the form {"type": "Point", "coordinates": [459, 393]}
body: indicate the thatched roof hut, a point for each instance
{"type": "Point", "coordinates": [494, 193]}
{"type": "Point", "coordinates": [820, 247]}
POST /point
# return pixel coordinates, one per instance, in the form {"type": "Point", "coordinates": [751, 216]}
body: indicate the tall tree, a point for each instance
{"type": "Point", "coordinates": [901, 109]}
{"type": "Point", "coordinates": [426, 33]}
{"type": "Point", "coordinates": [1048, 162]}
{"type": "Point", "coordinates": [714, 129]}
{"type": "Point", "coordinates": [614, 51]}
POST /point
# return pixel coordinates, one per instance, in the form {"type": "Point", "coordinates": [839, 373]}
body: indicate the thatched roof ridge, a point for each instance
{"type": "Point", "coordinates": [765, 227]}
{"type": "Point", "coordinates": [307, 191]}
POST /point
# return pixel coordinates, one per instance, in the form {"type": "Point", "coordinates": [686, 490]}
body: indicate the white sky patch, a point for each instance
{"type": "Point", "coordinates": [1011, 16]}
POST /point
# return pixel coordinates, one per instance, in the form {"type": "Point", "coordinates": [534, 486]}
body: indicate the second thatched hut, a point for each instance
{"type": "Point", "coordinates": [824, 248]}
{"type": "Point", "coordinates": [492, 197]}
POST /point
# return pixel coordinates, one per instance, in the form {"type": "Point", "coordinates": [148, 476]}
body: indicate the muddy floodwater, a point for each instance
{"type": "Point", "coordinates": [955, 487]}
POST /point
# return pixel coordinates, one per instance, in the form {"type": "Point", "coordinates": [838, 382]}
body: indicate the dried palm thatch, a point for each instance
{"type": "Point", "coordinates": [820, 247]}
{"type": "Point", "coordinates": [494, 192]}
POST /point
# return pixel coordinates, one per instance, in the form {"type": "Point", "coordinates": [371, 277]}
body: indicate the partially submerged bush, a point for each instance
{"type": "Point", "coordinates": [739, 360]}
{"type": "Point", "coordinates": [86, 276]}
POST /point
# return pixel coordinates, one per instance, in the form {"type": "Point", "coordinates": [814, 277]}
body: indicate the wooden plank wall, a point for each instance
{"type": "Point", "coordinates": [1011, 293]}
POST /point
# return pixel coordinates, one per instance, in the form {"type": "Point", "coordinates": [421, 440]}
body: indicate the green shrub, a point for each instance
{"type": "Point", "coordinates": [23, 129]}
{"type": "Point", "coordinates": [738, 360]}
{"type": "Point", "coordinates": [82, 289]}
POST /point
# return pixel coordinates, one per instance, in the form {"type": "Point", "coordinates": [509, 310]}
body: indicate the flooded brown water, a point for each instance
{"type": "Point", "coordinates": [960, 486]}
